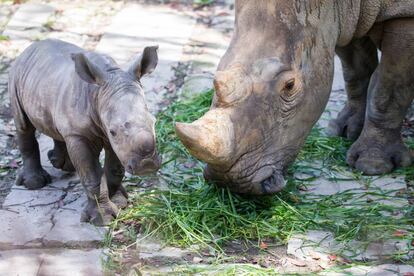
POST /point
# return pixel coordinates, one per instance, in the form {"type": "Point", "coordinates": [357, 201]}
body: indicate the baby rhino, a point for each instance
{"type": "Point", "coordinates": [86, 103]}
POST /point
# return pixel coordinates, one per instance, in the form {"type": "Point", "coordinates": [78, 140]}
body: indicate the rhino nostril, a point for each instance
{"type": "Point", "coordinates": [273, 184]}
{"type": "Point", "coordinates": [147, 147]}
{"type": "Point", "coordinates": [148, 164]}
{"type": "Point", "coordinates": [132, 164]}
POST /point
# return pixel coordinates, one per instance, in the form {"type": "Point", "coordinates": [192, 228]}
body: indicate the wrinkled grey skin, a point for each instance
{"type": "Point", "coordinates": [86, 103]}
{"type": "Point", "coordinates": [274, 81]}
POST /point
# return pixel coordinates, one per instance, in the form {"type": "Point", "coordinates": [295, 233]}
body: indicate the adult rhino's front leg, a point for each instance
{"type": "Point", "coordinates": [359, 61]}
{"type": "Point", "coordinates": [380, 148]}
{"type": "Point", "coordinates": [85, 157]}
{"type": "Point", "coordinates": [114, 173]}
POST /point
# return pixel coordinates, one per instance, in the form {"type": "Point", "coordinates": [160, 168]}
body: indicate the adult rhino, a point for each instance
{"type": "Point", "coordinates": [274, 82]}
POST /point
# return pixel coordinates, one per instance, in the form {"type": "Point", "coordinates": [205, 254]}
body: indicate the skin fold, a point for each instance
{"type": "Point", "coordinates": [86, 103]}
{"type": "Point", "coordinates": [270, 93]}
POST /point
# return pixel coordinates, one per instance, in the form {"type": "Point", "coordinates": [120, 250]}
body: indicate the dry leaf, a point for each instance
{"type": "Point", "coordinates": [332, 257]}
{"type": "Point", "coordinates": [298, 263]}
{"type": "Point", "coordinates": [263, 245]}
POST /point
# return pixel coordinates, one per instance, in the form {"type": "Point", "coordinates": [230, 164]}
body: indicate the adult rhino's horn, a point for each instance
{"type": "Point", "coordinates": [211, 138]}
{"type": "Point", "coordinates": [232, 85]}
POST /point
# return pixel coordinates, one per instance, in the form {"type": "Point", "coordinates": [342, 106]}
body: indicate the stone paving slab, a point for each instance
{"type": "Point", "coordinates": [381, 190]}
{"type": "Point", "coordinates": [320, 245]}
{"type": "Point", "coordinates": [137, 26]}
{"type": "Point", "coordinates": [50, 262]}
{"type": "Point", "coordinates": [26, 24]}
{"type": "Point", "coordinates": [48, 217]}
{"type": "Point", "coordinates": [381, 270]}
{"type": "Point", "coordinates": [206, 47]}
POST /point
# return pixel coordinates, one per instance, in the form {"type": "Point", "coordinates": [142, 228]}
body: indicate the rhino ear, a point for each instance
{"type": "Point", "coordinates": [145, 63]}
{"type": "Point", "coordinates": [87, 70]}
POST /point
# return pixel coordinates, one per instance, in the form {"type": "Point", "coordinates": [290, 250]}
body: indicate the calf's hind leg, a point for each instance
{"type": "Point", "coordinates": [32, 176]}
{"type": "Point", "coordinates": [59, 157]}
{"type": "Point", "coordinates": [379, 149]}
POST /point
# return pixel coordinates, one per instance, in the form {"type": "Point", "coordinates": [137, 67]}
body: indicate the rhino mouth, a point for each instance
{"type": "Point", "coordinates": [266, 181]}
{"type": "Point", "coordinates": [273, 184]}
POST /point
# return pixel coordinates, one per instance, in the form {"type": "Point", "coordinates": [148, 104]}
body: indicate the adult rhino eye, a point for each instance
{"type": "Point", "coordinates": [113, 132]}
{"type": "Point", "coordinates": [289, 90]}
{"type": "Point", "coordinates": [290, 84]}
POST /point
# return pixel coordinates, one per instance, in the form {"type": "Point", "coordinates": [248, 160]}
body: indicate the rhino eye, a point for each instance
{"type": "Point", "coordinates": [290, 84]}
{"type": "Point", "coordinates": [113, 132]}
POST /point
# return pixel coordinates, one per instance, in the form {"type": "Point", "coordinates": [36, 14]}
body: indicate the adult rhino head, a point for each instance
{"type": "Point", "coordinates": [272, 85]}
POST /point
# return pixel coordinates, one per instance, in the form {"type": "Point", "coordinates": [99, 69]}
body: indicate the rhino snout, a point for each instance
{"type": "Point", "coordinates": [265, 181]}
{"type": "Point", "coordinates": [143, 166]}
{"type": "Point", "coordinates": [147, 146]}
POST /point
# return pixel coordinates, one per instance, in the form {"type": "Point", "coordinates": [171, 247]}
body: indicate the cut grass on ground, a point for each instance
{"type": "Point", "coordinates": [192, 211]}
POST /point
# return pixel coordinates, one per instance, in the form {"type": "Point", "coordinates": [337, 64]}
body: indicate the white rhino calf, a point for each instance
{"type": "Point", "coordinates": [86, 103]}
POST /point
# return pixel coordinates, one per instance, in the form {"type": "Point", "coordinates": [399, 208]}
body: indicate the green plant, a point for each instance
{"type": "Point", "coordinates": [192, 211]}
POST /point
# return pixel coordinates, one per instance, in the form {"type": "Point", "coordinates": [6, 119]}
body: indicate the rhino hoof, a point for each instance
{"type": "Point", "coordinates": [33, 180]}
{"type": "Point", "coordinates": [101, 215]}
{"type": "Point", "coordinates": [375, 160]}
{"type": "Point", "coordinates": [348, 124]}
{"type": "Point", "coordinates": [119, 199]}
{"type": "Point", "coordinates": [60, 160]}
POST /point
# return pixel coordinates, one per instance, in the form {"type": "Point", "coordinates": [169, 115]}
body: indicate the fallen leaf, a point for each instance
{"type": "Point", "coordinates": [332, 257]}
{"type": "Point", "coordinates": [263, 245]}
{"type": "Point", "coordinates": [223, 13]}
{"type": "Point", "coordinates": [400, 233]}
{"type": "Point", "coordinates": [408, 274]}
{"type": "Point", "coordinates": [315, 255]}
{"type": "Point", "coordinates": [298, 263]}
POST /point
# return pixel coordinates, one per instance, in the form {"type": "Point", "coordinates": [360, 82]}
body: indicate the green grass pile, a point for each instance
{"type": "Point", "coordinates": [192, 211]}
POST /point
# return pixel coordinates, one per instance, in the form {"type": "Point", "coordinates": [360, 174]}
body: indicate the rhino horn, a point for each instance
{"type": "Point", "coordinates": [210, 138]}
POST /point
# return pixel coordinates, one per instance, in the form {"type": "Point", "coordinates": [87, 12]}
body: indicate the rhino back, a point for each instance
{"type": "Point", "coordinates": [53, 97]}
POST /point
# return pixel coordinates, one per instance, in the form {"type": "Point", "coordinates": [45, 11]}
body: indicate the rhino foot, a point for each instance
{"type": "Point", "coordinates": [373, 158]}
{"type": "Point", "coordinates": [60, 160]}
{"type": "Point", "coordinates": [348, 124]}
{"type": "Point", "coordinates": [120, 198]}
{"type": "Point", "coordinates": [101, 214]}
{"type": "Point", "coordinates": [34, 179]}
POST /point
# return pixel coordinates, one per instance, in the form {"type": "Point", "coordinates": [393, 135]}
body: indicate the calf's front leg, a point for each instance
{"type": "Point", "coordinates": [114, 173]}
{"type": "Point", "coordinates": [85, 157]}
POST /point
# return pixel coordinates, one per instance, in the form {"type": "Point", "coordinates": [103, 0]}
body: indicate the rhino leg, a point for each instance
{"type": "Point", "coordinates": [114, 173]}
{"type": "Point", "coordinates": [59, 157]}
{"type": "Point", "coordinates": [380, 148]}
{"type": "Point", "coordinates": [359, 61]}
{"type": "Point", "coordinates": [85, 157]}
{"type": "Point", "coordinates": [32, 176]}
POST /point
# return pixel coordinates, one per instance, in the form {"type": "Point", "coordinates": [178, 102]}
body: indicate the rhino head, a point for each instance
{"type": "Point", "coordinates": [271, 87]}
{"type": "Point", "coordinates": [121, 108]}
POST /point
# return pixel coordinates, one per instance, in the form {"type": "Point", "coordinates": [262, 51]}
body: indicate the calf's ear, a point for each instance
{"type": "Point", "coordinates": [87, 70]}
{"type": "Point", "coordinates": [145, 63]}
